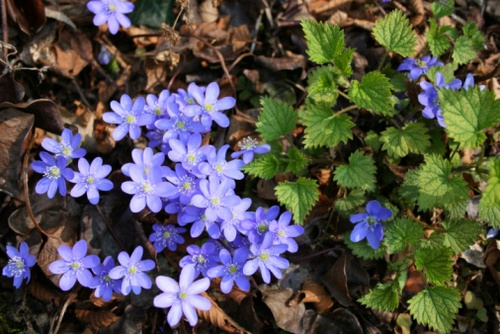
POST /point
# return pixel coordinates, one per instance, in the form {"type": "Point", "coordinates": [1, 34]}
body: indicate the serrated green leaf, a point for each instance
{"type": "Point", "coordinates": [153, 13]}
{"type": "Point", "coordinates": [276, 119]}
{"type": "Point", "coordinates": [461, 233]}
{"type": "Point", "coordinates": [298, 197]}
{"type": "Point", "coordinates": [297, 161]}
{"type": "Point", "coordinates": [471, 31]}
{"type": "Point", "coordinates": [457, 209]}
{"type": "Point", "coordinates": [265, 166]}
{"type": "Point", "coordinates": [412, 138]}
{"type": "Point", "coordinates": [439, 42]}
{"type": "Point", "coordinates": [435, 240]}
{"type": "Point", "coordinates": [409, 188]}
{"type": "Point", "coordinates": [443, 8]}
{"type": "Point", "coordinates": [448, 72]}
{"type": "Point", "coordinates": [343, 62]}
{"type": "Point", "coordinates": [467, 113]}
{"type": "Point", "coordinates": [383, 297]}
{"type": "Point", "coordinates": [372, 93]}
{"type": "Point", "coordinates": [436, 262]}
{"type": "Point", "coordinates": [438, 145]}
{"type": "Point", "coordinates": [490, 214]}
{"type": "Point", "coordinates": [322, 84]}
{"type": "Point", "coordinates": [323, 127]}
{"type": "Point", "coordinates": [395, 33]}
{"type": "Point", "coordinates": [401, 233]}
{"type": "Point", "coordinates": [363, 249]}
{"type": "Point", "coordinates": [324, 41]}
{"type": "Point", "coordinates": [345, 206]}
{"type": "Point", "coordinates": [491, 194]}
{"type": "Point", "coordinates": [437, 186]}
{"type": "Point", "coordinates": [464, 50]}
{"type": "Point", "coordinates": [359, 173]}
{"type": "Point", "coordinates": [373, 139]}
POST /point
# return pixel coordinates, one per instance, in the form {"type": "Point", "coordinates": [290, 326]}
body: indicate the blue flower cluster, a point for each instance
{"type": "Point", "coordinates": [111, 12]}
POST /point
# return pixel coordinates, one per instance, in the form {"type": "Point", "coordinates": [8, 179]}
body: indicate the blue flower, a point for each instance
{"type": "Point", "coordinates": [157, 105]}
{"type": "Point", "coordinates": [132, 271]}
{"type": "Point", "coordinates": [177, 125]}
{"type": "Point", "coordinates": [284, 232]}
{"type": "Point", "coordinates": [102, 283]}
{"type": "Point", "coordinates": [189, 154]}
{"type": "Point", "coordinates": [200, 258]}
{"type": "Point", "coordinates": [183, 297]}
{"type": "Point", "coordinates": [55, 173]}
{"type": "Point", "coordinates": [185, 182]}
{"type": "Point", "coordinates": [230, 227]}
{"type": "Point", "coordinates": [258, 227]}
{"type": "Point", "coordinates": [217, 165]}
{"type": "Point", "coordinates": [368, 224]}
{"type": "Point", "coordinates": [266, 258]}
{"type": "Point", "coordinates": [146, 160]}
{"type": "Point", "coordinates": [248, 146]}
{"type": "Point", "coordinates": [67, 148]}
{"type": "Point", "coordinates": [231, 270]}
{"type": "Point", "coordinates": [111, 12]}
{"type": "Point", "coordinates": [91, 179]}
{"type": "Point", "coordinates": [74, 266]}
{"type": "Point", "coordinates": [104, 56]}
{"type": "Point", "coordinates": [418, 67]}
{"type": "Point", "coordinates": [129, 117]}
{"type": "Point", "coordinates": [19, 264]}
{"type": "Point", "coordinates": [200, 222]}
{"type": "Point", "coordinates": [166, 236]}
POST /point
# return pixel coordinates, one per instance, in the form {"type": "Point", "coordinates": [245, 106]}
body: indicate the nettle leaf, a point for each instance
{"type": "Point", "coordinates": [490, 214]}
{"type": "Point", "coordinates": [395, 33]}
{"type": "Point", "coordinates": [323, 127]}
{"type": "Point", "coordinates": [464, 50]}
{"type": "Point", "coordinates": [401, 233]}
{"type": "Point", "coordinates": [435, 240]}
{"type": "Point", "coordinates": [448, 72]}
{"type": "Point", "coordinates": [436, 307]}
{"type": "Point", "coordinates": [491, 194]}
{"type": "Point", "coordinates": [324, 41]}
{"type": "Point", "coordinates": [276, 119]}
{"type": "Point", "coordinates": [373, 139]}
{"type": "Point", "coordinates": [153, 13]}
{"type": "Point", "coordinates": [297, 161]}
{"type": "Point", "coordinates": [343, 62]}
{"type": "Point", "coordinates": [436, 262]}
{"type": "Point", "coordinates": [265, 166]}
{"type": "Point", "coordinates": [412, 138]}
{"type": "Point", "coordinates": [437, 186]}
{"type": "Point", "coordinates": [345, 206]}
{"type": "Point", "coordinates": [372, 93]}
{"type": "Point", "coordinates": [471, 31]}
{"type": "Point", "coordinates": [299, 197]}
{"type": "Point", "coordinates": [409, 188]}
{"type": "Point", "coordinates": [461, 233]}
{"type": "Point", "coordinates": [359, 173]}
{"type": "Point", "coordinates": [383, 297]}
{"type": "Point", "coordinates": [363, 249]}
{"type": "Point", "coordinates": [467, 113]}
{"type": "Point", "coordinates": [443, 8]}
{"type": "Point", "coordinates": [439, 42]}
{"type": "Point", "coordinates": [323, 82]}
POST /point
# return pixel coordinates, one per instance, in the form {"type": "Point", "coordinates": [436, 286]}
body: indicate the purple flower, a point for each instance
{"type": "Point", "coordinates": [183, 297]}
{"type": "Point", "coordinates": [177, 125]}
{"type": "Point", "coordinates": [157, 105]}
{"type": "Point", "coordinates": [248, 146]}
{"type": "Point", "coordinates": [284, 232]}
{"type": "Point", "coordinates": [200, 258]}
{"type": "Point", "coordinates": [55, 173]}
{"type": "Point", "coordinates": [111, 12]}
{"type": "Point", "coordinates": [267, 259]}
{"type": "Point", "coordinates": [67, 148]}
{"type": "Point", "coordinates": [104, 56]}
{"type": "Point", "coordinates": [231, 270]}
{"type": "Point", "coordinates": [185, 182]}
{"type": "Point", "coordinates": [146, 160]}
{"type": "Point", "coordinates": [418, 67]}
{"type": "Point", "coordinates": [369, 225]}
{"type": "Point", "coordinates": [74, 266]}
{"type": "Point", "coordinates": [102, 283]}
{"type": "Point", "coordinates": [131, 270]}
{"type": "Point", "coordinates": [129, 117]}
{"type": "Point", "coordinates": [217, 198]}
{"type": "Point", "coordinates": [217, 165]}
{"type": "Point", "coordinates": [148, 189]}
{"type": "Point", "coordinates": [200, 222]}
{"type": "Point", "coordinates": [166, 236]}
{"type": "Point", "coordinates": [257, 228]}
{"type": "Point", "coordinates": [208, 107]}
{"type": "Point", "coordinates": [91, 179]}
{"type": "Point", "coordinates": [231, 226]}
{"type": "Point", "coordinates": [190, 154]}
{"type": "Point", "coordinates": [19, 264]}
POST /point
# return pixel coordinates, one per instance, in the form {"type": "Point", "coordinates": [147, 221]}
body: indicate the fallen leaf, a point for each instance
{"type": "Point", "coordinates": [217, 317]}
{"type": "Point", "coordinates": [314, 293]}
{"type": "Point", "coordinates": [286, 317]}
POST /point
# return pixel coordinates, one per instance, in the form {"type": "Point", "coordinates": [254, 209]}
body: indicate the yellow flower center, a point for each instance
{"type": "Point", "coordinates": [264, 256]}
{"type": "Point", "coordinates": [54, 172]}
{"type": "Point", "coordinates": [166, 234]}
{"type": "Point", "coordinates": [132, 270]}
{"type": "Point", "coordinates": [111, 8]}
{"type": "Point", "coordinates": [215, 201]}
{"type": "Point", "coordinates": [181, 125]}
{"type": "Point", "coordinates": [90, 179]}
{"type": "Point", "coordinates": [75, 265]}
{"type": "Point", "coordinates": [233, 268]}
{"type": "Point", "coordinates": [130, 119]}
{"type": "Point", "coordinates": [182, 295]}
{"type": "Point", "coordinates": [209, 107]}
{"type": "Point", "coordinates": [157, 111]}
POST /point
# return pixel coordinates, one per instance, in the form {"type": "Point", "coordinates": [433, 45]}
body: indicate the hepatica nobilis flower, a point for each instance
{"type": "Point", "coordinates": [183, 297]}
{"type": "Point", "coordinates": [248, 146]}
{"type": "Point", "coordinates": [200, 258]}
{"type": "Point", "coordinates": [166, 236]}
{"type": "Point", "coordinates": [55, 173]}
{"type": "Point", "coordinates": [75, 265]}
{"type": "Point", "coordinates": [103, 284]}
{"type": "Point", "coordinates": [90, 179]}
{"type": "Point", "coordinates": [231, 270]}
{"type": "Point", "coordinates": [20, 262]}
{"type": "Point", "coordinates": [68, 147]}
{"type": "Point", "coordinates": [368, 225]}
{"type": "Point", "coordinates": [418, 67]}
{"type": "Point", "coordinates": [132, 271]}
{"type": "Point", "coordinates": [284, 233]}
{"type": "Point", "coordinates": [111, 12]}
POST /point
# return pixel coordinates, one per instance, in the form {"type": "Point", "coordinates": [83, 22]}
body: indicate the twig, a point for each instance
{"type": "Point", "coordinates": [5, 28]}
{"type": "Point", "coordinates": [71, 297]}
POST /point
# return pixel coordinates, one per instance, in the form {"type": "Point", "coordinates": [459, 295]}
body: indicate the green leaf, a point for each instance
{"type": "Point", "coordinates": [324, 41]}
{"type": "Point", "coordinates": [402, 232]}
{"type": "Point", "coordinates": [372, 93]}
{"type": "Point", "coordinates": [464, 50]}
{"type": "Point", "coordinates": [363, 249]}
{"type": "Point", "coordinates": [412, 138]}
{"type": "Point", "coordinates": [297, 161]}
{"type": "Point", "coordinates": [323, 127]}
{"type": "Point", "coordinates": [265, 166]}
{"type": "Point", "coordinates": [443, 8]}
{"type": "Point", "coordinates": [373, 139]}
{"type": "Point", "coordinates": [343, 62]}
{"type": "Point", "coordinates": [461, 233]}
{"type": "Point", "coordinates": [435, 240]}
{"type": "Point", "coordinates": [438, 40]}
{"type": "Point", "coordinates": [323, 82]}
{"type": "Point", "coordinates": [471, 31]}
{"type": "Point", "coordinates": [409, 188]}
{"type": "Point", "coordinates": [436, 184]}
{"type": "Point", "coordinates": [436, 307]}
{"type": "Point", "coordinates": [491, 194]}
{"type": "Point", "coordinates": [153, 13]}
{"type": "Point", "coordinates": [276, 119]}
{"type": "Point", "coordinates": [382, 297]}
{"type": "Point", "coordinates": [448, 72]}
{"type": "Point", "coordinates": [395, 33]}
{"type": "Point", "coordinates": [345, 206]}
{"type": "Point", "coordinates": [437, 263]}
{"type": "Point", "coordinates": [467, 113]}
{"type": "Point", "coordinates": [490, 214]}
{"type": "Point", "coordinates": [299, 197]}
{"type": "Point", "coordinates": [359, 173]}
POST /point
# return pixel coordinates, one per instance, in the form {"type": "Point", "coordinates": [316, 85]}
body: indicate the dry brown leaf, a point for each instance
{"type": "Point", "coordinates": [491, 258]}
{"type": "Point", "coordinates": [328, 6]}
{"type": "Point", "coordinates": [417, 6]}
{"type": "Point", "coordinates": [97, 319]}
{"type": "Point", "coordinates": [217, 317]}
{"type": "Point", "coordinates": [45, 293]}
{"type": "Point", "coordinates": [335, 281]}
{"type": "Point", "coordinates": [286, 317]}
{"type": "Point", "coordinates": [314, 293]}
